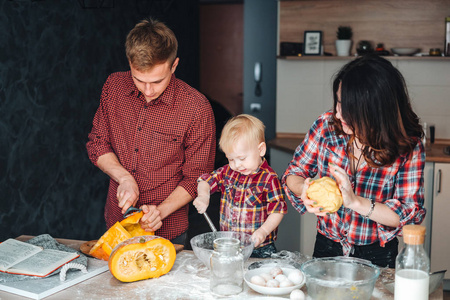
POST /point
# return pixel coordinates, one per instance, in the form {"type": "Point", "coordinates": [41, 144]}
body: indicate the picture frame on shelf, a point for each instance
{"type": "Point", "coordinates": [312, 43]}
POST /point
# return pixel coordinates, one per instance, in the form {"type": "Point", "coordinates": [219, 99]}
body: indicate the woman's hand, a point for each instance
{"type": "Point", "coordinates": [348, 196]}
{"type": "Point", "coordinates": [317, 210]}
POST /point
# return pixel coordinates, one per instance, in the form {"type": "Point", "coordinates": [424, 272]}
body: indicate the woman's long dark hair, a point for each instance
{"type": "Point", "coordinates": [376, 106]}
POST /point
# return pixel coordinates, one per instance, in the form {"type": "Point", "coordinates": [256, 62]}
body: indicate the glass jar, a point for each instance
{"type": "Point", "coordinates": [412, 266]}
{"type": "Point", "coordinates": [227, 267]}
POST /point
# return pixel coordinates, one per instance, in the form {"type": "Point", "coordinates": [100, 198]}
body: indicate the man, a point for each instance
{"type": "Point", "coordinates": [152, 134]}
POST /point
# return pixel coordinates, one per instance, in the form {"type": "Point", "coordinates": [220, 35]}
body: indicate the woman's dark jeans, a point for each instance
{"type": "Point", "coordinates": [380, 256]}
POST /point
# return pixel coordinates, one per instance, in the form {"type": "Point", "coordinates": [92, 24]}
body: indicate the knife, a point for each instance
{"type": "Point", "coordinates": [131, 210]}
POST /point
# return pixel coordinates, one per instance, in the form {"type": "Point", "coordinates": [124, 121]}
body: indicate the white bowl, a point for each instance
{"type": "Point", "coordinates": [203, 244]}
{"type": "Point", "coordinates": [405, 51]}
{"type": "Point", "coordinates": [273, 291]}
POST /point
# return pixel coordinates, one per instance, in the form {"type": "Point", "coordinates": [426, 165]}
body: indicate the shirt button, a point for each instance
{"type": "Point", "coordinates": [136, 149]}
{"type": "Point", "coordinates": [139, 128]}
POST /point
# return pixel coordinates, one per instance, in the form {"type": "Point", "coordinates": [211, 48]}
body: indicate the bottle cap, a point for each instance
{"type": "Point", "coordinates": [414, 234]}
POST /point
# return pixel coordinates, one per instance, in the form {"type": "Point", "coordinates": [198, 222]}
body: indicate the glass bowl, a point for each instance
{"type": "Point", "coordinates": [340, 278]}
{"type": "Point", "coordinates": [202, 244]}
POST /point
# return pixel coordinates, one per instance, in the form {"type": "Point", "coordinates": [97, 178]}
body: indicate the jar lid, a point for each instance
{"type": "Point", "coordinates": [414, 234]}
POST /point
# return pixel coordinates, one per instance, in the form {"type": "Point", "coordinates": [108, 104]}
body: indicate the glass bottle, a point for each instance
{"type": "Point", "coordinates": [227, 267]}
{"type": "Point", "coordinates": [412, 266]}
{"type": "Point", "coordinates": [447, 37]}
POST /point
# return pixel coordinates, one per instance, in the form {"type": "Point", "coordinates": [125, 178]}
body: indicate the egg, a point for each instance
{"type": "Point", "coordinates": [275, 271]}
{"type": "Point", "coordinates": [281, 277]}
{"type": "Point", "coordinates": [273, 283]}
{"type": "Point", "coordinates": [286, 283]}
{"type": "Point", "coordinates": [266, 276]}
{"type": "Point", "coordinates": [297, 295]}
{"type": "Point", "coordinates": [258, 280]}
{"type": "Point", "coordinates": [296, 277]}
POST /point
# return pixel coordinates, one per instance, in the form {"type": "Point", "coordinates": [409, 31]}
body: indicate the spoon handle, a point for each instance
{"type": "Point", "coordinates": [210, 223]}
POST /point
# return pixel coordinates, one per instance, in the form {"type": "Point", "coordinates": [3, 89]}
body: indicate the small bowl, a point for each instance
{"type": "Point", "coordinates": [405, 51]}
{"type": "Point", "coordinates": [272, 291]}
{"type": "Point", "coordinates": [340, 278]}
{"type": "Point", "coordinates": [203, 244]}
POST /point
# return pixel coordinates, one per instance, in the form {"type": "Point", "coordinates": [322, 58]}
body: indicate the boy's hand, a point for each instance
{"type": "Point", "coordinates": [259, 236]}
{"type": "Point", "coordinates": [201, 203]}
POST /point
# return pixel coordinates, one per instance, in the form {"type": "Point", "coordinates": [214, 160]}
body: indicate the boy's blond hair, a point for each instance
{"type": "Point", "coordinates": [241, 126]}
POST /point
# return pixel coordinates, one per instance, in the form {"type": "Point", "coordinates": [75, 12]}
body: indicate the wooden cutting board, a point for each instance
{"type": "Point", "coordinates": [86, 247]}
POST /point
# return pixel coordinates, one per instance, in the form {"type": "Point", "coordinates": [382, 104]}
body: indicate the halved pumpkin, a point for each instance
{"type": "Point", "coordinates": [131, 224]}
{"type": "Point", "coordinates": [119, 232]}
{"type": "Point", "coordinates": [142, 257]}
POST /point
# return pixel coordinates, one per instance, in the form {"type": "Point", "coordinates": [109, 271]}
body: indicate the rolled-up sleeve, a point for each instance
{"type": "Point", "coordinates": [408, 198]}
{"type": "Point", "coordinates": [99, 137]}
{"type": "Point", "coordinates": [200, 148]}
{"type": "Point", "coordinates": [303, 164]}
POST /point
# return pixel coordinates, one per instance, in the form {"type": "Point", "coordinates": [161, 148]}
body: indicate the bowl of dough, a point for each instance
{"type": "Point", "coordinates": [203, 244]}
{"type": "Point", "coordinates": [340, 278]}
{"type": "Point", "coordinates": [274, 278]}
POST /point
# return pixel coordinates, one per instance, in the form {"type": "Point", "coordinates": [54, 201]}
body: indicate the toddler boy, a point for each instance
{"type": "Point", "coordinates": [252, 198]}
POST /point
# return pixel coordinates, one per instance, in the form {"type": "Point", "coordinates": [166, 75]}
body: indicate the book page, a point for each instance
{"type": "Point", "coordinates": [43, 263]}
{"type": "Point", "coordinates": [13, 251]}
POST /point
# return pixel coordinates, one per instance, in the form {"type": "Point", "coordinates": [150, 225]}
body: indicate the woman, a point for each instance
{"type": "Point", "coordinates": [371, 144]}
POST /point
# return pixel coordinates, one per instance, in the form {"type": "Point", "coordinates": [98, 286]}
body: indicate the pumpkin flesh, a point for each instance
{"type": "Point", "coordinates": [141, 258]}
{"type": "Point", "coordinates": [119, 232]}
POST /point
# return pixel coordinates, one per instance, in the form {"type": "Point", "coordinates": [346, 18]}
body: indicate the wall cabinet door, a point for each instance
{"type": "Point", "coordinates": [440, 236]}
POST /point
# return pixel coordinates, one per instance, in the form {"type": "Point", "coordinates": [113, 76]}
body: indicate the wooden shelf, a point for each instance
{"type": "Point", "coordinates": [323, 57]}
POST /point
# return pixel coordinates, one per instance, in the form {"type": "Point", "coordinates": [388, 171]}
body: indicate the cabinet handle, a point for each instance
{"type": "Point", "coordinates": [439, 181]}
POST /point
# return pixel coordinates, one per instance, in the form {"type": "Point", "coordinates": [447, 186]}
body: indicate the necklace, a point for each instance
{"type": "Point", "coordinates": [353, 168]}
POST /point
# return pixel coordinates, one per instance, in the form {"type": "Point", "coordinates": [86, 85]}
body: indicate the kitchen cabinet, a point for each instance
{"type": "Point", "coordinates": [296, 232]}
{"type": "Point", "coordinates": [440, 239]}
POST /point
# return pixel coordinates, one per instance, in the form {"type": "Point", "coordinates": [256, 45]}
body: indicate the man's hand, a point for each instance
{"type": "Point", "coordinates": [151, 221]}
{"type": "Point", "coordinates": [127, 192]}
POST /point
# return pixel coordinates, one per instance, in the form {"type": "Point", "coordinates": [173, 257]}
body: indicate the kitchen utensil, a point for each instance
{"type": "Point", "coordinates": [210, 223]}
{"type": "Point", "coordinates": [340, 278]}
{"type": "Point", "coordinates": [273, 291]}
{"type": "Point", "coordinates": [435, 280]}
{"type": "Point", "coordinates": [130, 211]}
{"type": "Point", "coordinates": [405, 51]}
{"type": "Point", "coordinates": [202, 244]}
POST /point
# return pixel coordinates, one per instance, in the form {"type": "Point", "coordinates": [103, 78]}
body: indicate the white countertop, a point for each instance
{"type": "Point", "coordinates": [188, 279]}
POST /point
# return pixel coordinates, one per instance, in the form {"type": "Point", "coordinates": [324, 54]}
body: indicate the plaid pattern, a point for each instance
{"type": "Point", "coordinates": [399, 186]}
{"type": "Point", "coordinates": [247, 200]}
{"type": "Point", "coordinates": [166, 143]}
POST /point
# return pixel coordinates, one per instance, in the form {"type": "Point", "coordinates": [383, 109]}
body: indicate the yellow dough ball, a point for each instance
{"type": "Point", "coordinates": [326, 193]}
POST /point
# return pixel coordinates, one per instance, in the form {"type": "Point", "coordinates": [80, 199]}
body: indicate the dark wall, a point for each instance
{"type": "Point", "coordinates": [54, 58]}
{"type": "Point", "coordinates": [260, 45]}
